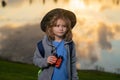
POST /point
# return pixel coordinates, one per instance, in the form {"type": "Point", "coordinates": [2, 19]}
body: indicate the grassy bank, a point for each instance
{"type": "Point", "coordinates": [19, 71]}
{"type": "Point", "coordinates": [97, 75]}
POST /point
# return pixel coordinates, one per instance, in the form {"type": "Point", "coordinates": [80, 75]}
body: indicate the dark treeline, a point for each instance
{"type": "Point", "coordinates": [115, 2]}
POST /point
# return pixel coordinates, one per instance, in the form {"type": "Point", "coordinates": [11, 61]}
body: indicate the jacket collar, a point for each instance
{"type": "Point", "coordinates": [49, 42]}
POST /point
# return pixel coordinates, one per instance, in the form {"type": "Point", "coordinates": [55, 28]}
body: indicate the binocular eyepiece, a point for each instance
{"type": "Point", "coordinates": [59, 60]}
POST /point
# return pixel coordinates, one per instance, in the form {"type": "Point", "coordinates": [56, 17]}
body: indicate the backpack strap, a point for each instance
{"type": "Point", "coordinates": [41, 48]}
{"type": "Point", "coordinates": [71, 48]}
{"type": "Point", "coordinates": [42, 52]}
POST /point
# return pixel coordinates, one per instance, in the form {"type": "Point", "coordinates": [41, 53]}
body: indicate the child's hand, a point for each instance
{"type": "Point", "coordinates": [51, 59]}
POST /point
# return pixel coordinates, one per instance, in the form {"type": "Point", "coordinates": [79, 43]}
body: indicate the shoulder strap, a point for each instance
{"type": "Point", "coordinates": [41, 48]}
{"type": "Point", "coordinates": [71, 47]}
{"type": "Point", "coordinates": [42, 52]}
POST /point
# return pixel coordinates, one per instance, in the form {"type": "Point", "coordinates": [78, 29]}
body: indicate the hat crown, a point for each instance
{"type": "Point", "coordinates": [46, 19]}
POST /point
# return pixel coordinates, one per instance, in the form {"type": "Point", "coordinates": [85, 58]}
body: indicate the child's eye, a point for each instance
{"type": "Point", "coordinates": [64, 26]}
{"type": "Point", "coordinates": [57, 25]}
{"type": "Point", "coordinates": [60, 25]}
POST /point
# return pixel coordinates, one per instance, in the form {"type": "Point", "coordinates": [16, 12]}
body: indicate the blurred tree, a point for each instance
{"type": "Point", "coordinates": [30, 1]}
{"type": "Point", "coordinates": [3, 3]}
{"type": "Point", "coordinates": [116, 2]}
{"type": "Point", "coordinates": [55, 1]}
{"type": "Point", "coordinates": [117, 70]}
{"type": "Point", "coordinates": [99, 68]}
{"type": "Point", "coordinates": [43, 1]}
{"type": "Point", "coordinates": [66, 1]}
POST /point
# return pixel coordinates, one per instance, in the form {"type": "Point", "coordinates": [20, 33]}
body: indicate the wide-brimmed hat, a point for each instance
{"type": "Point", "coordinates": [46, 19]}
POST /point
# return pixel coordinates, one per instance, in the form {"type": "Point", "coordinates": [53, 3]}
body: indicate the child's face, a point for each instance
{"type": "Point", "coordinates": [60, 28]}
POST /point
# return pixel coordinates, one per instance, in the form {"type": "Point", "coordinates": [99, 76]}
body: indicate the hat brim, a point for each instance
{"type": "Point", "coordinates": [69, 14]}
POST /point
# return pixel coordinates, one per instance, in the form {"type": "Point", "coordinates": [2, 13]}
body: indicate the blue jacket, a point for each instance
{"type": "Point", "coordinates": [41, 62]}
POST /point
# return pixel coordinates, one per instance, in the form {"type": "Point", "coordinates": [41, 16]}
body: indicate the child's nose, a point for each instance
{"type": "Point", "coordinates": [61, 28]}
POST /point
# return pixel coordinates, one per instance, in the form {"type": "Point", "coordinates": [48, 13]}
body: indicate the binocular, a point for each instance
{"type": "Point", "coordinates": [59, 60]}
